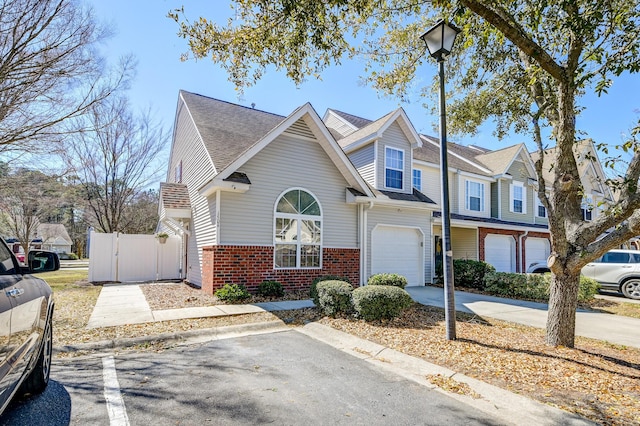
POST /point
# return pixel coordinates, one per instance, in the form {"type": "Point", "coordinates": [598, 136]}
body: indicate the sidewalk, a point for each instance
{"type": "Point", "coordinates": [615, 329]}
{"type": "Point", "coordinates": [122, 304]}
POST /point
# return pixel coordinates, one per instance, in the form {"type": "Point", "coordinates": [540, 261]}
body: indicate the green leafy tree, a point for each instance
{"type": "Point", "coordinates": [523, 63]}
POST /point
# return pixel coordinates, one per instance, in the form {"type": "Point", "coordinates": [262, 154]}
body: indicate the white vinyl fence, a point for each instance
{"type": "Point", "coordinates": [131, 258]}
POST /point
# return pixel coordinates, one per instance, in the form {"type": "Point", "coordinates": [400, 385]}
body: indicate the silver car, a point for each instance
{"type": "Point", "coordinates": [26, 310]}
{"type": "Point", "coordinates": [617, 270]}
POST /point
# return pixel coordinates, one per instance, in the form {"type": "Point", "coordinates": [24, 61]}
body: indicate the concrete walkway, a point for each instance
{"type": "Point", "coordinates": [611, 328]}
{"type": "Point", "coordinates": [121, 304]}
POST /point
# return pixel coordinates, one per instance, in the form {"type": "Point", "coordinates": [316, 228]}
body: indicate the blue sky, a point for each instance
{"type": "Point", "coordinates": [142, 28]}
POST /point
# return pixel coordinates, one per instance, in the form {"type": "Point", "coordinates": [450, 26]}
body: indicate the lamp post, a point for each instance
{"type": "Point", "coordinates": [439, 40]}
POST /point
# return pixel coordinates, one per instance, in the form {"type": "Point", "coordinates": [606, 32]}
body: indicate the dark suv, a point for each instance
{"type": "Point", "coordinates": [26, 311]}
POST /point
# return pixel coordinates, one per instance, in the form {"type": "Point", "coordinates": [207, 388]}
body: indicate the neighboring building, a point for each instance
{"type": "Point", "coordinates": [257, 196]}
{"type": "Point", "coordinates": [48, 236]}
{"type": "Point", "coordinates": [53, 237]}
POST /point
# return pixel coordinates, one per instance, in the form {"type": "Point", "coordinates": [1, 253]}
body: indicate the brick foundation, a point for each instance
{"type": "Point", "coordinates": [251, 265]}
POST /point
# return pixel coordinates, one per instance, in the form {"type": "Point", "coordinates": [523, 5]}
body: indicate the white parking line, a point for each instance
{"type": "Point", "coordinates": [115, 403]}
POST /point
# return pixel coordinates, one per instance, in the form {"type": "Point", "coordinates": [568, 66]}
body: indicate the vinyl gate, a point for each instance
{"type": "Point", "coordinates": [130, 258]}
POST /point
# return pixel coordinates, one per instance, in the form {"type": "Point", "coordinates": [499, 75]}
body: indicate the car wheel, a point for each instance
{"type": "Point", "coordinates": [631, 288]}
{"type": "Point", "coordinates": [38, 379]}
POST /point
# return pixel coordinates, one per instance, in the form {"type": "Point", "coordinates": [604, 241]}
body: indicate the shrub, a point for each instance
{"type": "Point", "coordinates": [270, 288]}
{"type": "Point", "coordinates": [394, 280]}
{"type": "Point", "coordinates": [520, 286]}
{"type": "Point", "coordinates": [533, 286]}
{"type": "Point", "coordinates": [232, 293]}
{"type": "Point", "coordinates": [471, 273]}
{"type": "Point", "coordinates": [588, 288]}
{"type": "Point", "coordinates": [313, 293]}
{"type": "Point", "coordinates": [73, 256]}
{"type": "Point", "coordinates": [380, 302]}
{"type": "Point", "coordinates": [334, 297]}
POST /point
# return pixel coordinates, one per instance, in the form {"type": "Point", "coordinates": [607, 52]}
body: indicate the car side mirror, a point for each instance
{"type": "Point", "coordinates": [43, 261]}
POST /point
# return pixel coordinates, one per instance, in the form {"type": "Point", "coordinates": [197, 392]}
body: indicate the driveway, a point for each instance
{"type": "Point", "coordinates": [280, 378]}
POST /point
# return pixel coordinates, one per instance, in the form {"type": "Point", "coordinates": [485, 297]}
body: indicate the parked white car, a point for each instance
{"type": "Point", "coordinates": [617, 270]}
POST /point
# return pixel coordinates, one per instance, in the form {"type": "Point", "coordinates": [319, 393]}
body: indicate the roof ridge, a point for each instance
{"type": "Point", "coordinates": [232, 103]}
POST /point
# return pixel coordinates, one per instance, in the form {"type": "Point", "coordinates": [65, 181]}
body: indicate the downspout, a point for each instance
{"type": "Point", "coordinates": [522, 265]}
{"type": "Point", "coordinates": [365, 244]}
{"type": "Point", "coordinates": [499, 199]}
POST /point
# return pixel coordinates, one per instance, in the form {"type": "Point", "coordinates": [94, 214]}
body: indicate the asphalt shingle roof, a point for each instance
{"type": "Point", "coordinates": [354, 120]}
{"type": "Point", "coordinates": [174, 196]}
{"type": "Point", "coordinates": [228, 129]}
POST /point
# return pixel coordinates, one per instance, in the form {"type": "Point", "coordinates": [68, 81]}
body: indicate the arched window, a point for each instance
{"type": "Point", "coordinates": [298, 230]}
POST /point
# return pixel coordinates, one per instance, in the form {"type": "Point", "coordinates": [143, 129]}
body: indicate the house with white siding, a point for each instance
{"type": "Point", "coordinates": [257, 196]}
{"type": "Point", "coordinates": [495, 215]}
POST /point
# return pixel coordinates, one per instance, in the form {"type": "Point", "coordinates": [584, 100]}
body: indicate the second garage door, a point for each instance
{"type": "Point", "coordinates": [499, 251]}
{"type": "Point", "coordinates": [536, 250]}
{"type": "Point", "coordinates": [398, 250]}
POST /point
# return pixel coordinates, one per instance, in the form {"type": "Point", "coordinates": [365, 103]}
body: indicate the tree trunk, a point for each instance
{"type": "Point", "coordinates": [563, 301]}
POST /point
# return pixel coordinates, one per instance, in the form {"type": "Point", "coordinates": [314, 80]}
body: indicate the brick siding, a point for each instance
{"type": "Point", "coordinates": [251, 265]}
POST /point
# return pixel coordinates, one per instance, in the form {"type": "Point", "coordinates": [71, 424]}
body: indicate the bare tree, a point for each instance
{"type": "Point", "coordinates": [26, 198]}
{"type": "Point", "coordinates": [114, 158]}
{"type": "Point", "coordinates": [50, 70]}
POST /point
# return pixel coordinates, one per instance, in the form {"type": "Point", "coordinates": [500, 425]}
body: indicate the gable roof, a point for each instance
{"type": "Point", "coordinates": [501, 160]}
{"type": "Point", "coordinates": [47, 231]}
{"type": "Point", "coordinates": [375, 129]}
{"type": "Point", "coordinates": [586, 159]}
{"type": "Point", "coordinates": [430, 153]}
{"type": "Point", "coordinates": [226, 129]}
{"type": "Point", "coordinates": [355, 121]}
{"type": "Point", "coordinates": [228, 171]}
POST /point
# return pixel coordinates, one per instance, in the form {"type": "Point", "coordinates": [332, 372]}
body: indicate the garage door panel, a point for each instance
{"type": "Point", "coordinates": [398, 250]}
{"type": "Point", "coordinates": [536, 250]}
{"type": "Point", "coordinates": [500, 252]}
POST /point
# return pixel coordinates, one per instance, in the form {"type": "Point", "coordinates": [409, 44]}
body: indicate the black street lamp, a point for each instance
{"type": "Point", "coordinates": [439, 40]}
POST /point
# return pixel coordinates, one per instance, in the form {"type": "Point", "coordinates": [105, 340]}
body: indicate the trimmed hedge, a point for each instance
{"type": "Point", "coordinates": [394, 280]}
{"type": "Point", "coordinates": [471, 273]}
{"type": "Point", "coordinates": [313, 292]}
{"type": "Point", "coordinates": [380, 301]}
{"type": "Point", "coordinates": [232, 293]}
{"type": "Point", "coordinates": [334, 297]}
{"type": "Point", "coordinates": [270, 289]}
{"type": "Point", "coordinates": [533, 286]}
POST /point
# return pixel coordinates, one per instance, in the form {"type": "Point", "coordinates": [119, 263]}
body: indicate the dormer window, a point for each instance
{"type": "Point", "coordinates": [393, 168]}
{"type": "Point", "coordinates": [518, 201]}
{"type": "Point", "coordinates": [474, 196]}
{"type": "Point", "coordinates": [417, 179]}
{"type": "Point", "coordinates": [587, 208]}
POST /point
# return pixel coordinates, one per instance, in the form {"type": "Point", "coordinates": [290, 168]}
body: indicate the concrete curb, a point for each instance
{"type": "Point", "coordinates": [179, 338]}
{"type": "Point", "coordinates": [508, 406]}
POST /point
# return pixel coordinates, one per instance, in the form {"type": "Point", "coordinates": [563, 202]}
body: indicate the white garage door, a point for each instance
{"type": "Point", "coordinates": [536, 250]}
{"type": "Point", "coordinates": [398, 250]}
{"type": "Point", "coordinates": [499, 251]}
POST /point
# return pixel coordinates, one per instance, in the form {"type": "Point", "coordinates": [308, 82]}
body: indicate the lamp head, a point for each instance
{"type": "Point", "coordinates": [440, 38]}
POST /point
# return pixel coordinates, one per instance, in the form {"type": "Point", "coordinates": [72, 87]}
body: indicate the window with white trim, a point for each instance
{"type": "Point", "coordinates": [393, 168]}
{"type": "Point", "coordinates": [417, 179]}
{"type": "Point", "coordinates": [474, 195]}
{"type": "Point", "coordinates": [541, 211]}
{"type": "Point", "coordinates": [587, 208]}
{"type": "Point", "coordinates": [298, 231]}
{"type": "Point", "coordinates": [518, 198]}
